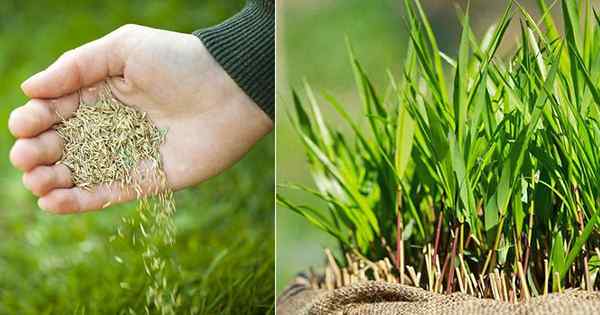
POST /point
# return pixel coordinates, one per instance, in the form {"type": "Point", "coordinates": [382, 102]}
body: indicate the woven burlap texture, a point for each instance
{"type": "Point", "coordinates": [372, 297]}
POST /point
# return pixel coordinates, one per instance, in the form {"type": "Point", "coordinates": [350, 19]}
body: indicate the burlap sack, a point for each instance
{"type": "Point", "coordinates": [384, 298]}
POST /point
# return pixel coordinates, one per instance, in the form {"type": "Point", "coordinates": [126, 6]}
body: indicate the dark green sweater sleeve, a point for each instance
{"type": "Point", "coordinates": [244, 46]}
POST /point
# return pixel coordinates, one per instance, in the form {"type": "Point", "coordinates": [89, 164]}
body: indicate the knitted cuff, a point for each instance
{"type": "Point", "coordinates": [244, 46]}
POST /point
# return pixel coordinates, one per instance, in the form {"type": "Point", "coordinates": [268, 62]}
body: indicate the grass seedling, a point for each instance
{"type": "Point", "coordinates": [486, 183]}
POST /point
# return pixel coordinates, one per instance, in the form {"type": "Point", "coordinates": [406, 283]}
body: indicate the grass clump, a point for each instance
{"type": "Point", "coordinates": [107, 142]}
{"type": "Point", "coordinates": [487, 183]}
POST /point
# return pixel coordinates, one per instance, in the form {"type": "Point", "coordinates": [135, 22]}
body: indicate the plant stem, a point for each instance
{"type": "Point", "coordinates": [496, 243]}
{"type": "Point", "coordinates": [452, 258]}
{"type": "Point", "coordinates": [586, 271]}
{"type": "Point", "coordinates": [438, 231]}
{"type": "Point", "coordinates": [399, 240]}
{"type": "Point", "coordinates": [529, 236]}
{"type": "Point", "coordinates": [522, 280]}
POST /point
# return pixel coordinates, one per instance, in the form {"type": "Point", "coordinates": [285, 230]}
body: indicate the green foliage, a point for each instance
{"type": "Point", "coordinates": [507, 150]}
{"type": "Point", "coordinates": [65, 264]}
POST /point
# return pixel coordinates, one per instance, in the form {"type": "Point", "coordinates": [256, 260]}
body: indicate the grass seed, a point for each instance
{"type": "Point", "coordinates": [108, 142]}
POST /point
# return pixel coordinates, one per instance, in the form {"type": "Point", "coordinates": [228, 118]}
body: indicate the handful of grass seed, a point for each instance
{"type": "Point", "coordinates": [107, 142]}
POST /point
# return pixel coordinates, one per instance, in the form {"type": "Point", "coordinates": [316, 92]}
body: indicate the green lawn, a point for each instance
{"type": "Point", "coordinates": [65, 264]}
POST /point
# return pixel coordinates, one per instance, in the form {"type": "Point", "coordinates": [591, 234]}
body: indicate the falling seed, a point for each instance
{"type": "Point", "coordinates": [105, 143]}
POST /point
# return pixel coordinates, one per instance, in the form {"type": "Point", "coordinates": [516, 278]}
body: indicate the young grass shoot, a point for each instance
{"type": "Point", "coordinates": [486, 182]}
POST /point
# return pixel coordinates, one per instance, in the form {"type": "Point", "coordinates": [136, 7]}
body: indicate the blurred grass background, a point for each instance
{"type": "Point", "coordinates": [65, 264]}
{"type": "Point", "coordinates": [311, 46]}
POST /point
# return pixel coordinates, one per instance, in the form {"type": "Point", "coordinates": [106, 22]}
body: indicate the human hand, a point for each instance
{"type": "Point", "coordinates": [211, 122]}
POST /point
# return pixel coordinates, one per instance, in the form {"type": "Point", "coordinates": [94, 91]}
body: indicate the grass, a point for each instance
{"type": "Point", "coordinates": [224, 249]}
{"type": "Point", "coordinates": [490, 175]}
{"type": "Point", "coordinates": [376, 24]}
{"type": "Point", "coordinates": [66, 264]}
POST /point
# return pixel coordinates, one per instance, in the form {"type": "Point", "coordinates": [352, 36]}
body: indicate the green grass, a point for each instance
{"type": "Point", "coordinates": [309, 46]}
{"type": "Point", "coordinates": [56, 265]}
{"type": "Point", "coordinates": [65, 264]}
{"type": "Point", "coordinates": [503, 156]}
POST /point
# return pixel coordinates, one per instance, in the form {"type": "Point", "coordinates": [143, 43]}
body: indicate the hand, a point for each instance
{"type": "Point", "coordinates": [211, 122]}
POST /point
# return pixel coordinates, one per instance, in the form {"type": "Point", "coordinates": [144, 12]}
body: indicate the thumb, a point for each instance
{"type": "Point", "coordinates": [80, 67]}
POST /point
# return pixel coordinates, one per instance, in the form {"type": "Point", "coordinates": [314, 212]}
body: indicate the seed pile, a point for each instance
{"type": "Point", "coordinates": [107, 142]}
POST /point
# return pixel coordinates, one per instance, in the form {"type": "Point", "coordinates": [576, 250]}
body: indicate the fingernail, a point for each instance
{"type": "Point", "coordinates": [25, 182]}
{"type": "Point", "coordinates": [42, 205]}
{"type": "Point", "coordinates": [32, 78]}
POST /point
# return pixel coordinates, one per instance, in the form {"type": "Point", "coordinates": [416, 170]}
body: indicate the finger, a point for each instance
{"type": "Point", "coordinates": [44, 149]}
{"type": "Point", "coordinates": [38, 115]}
{"type": "Point", "coordinates": [43, 179]}
{"type": "Point", "coordinates": [80, 67]}
{"type": "Point", "coordinates": [75, 200]}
